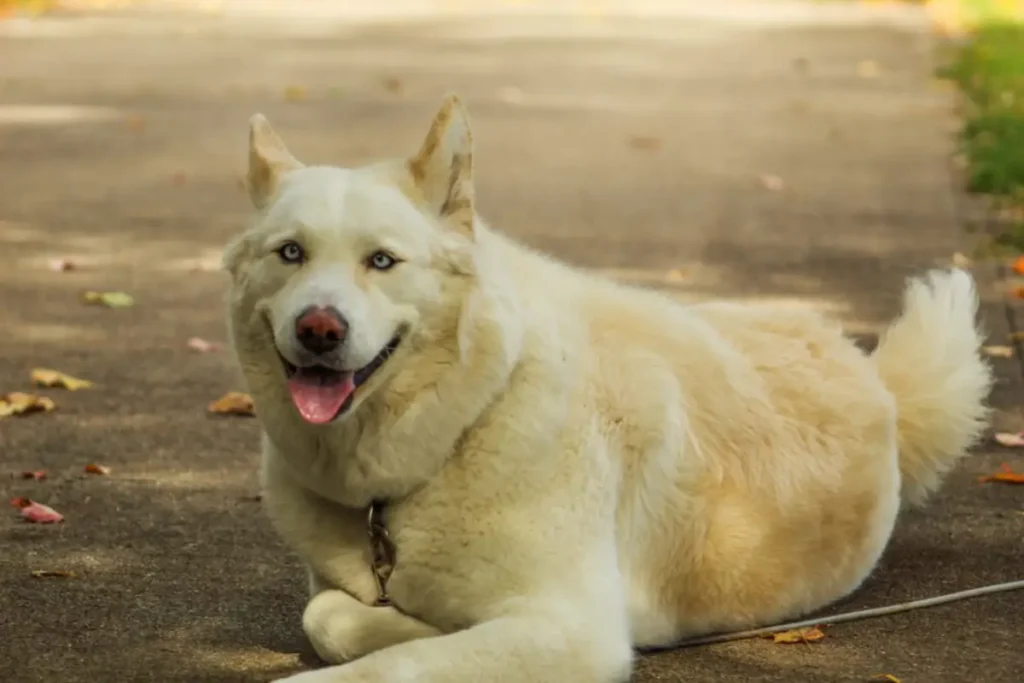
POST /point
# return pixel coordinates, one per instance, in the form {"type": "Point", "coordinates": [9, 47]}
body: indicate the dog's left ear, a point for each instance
{"type": "Point", "coordinates": [269, 159]}
{"type": "Point", "coordinates": [443, 167]}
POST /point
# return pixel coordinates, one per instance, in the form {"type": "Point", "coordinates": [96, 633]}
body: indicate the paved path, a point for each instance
{"type": "Point", "coordinates": [758, 149]}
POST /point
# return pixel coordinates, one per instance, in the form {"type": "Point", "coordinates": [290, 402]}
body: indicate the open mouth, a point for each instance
{"type": "Point", "coordinates": [321, 394]}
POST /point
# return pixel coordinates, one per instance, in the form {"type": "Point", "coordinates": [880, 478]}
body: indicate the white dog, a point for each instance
{"type": "Point", "coordinates": [499, 468]}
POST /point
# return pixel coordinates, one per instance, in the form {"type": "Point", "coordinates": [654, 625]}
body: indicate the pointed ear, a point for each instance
{"type": "Point", "coordinates": [269, 159]}
{"type": "Point", "coordinates": [443, 168]}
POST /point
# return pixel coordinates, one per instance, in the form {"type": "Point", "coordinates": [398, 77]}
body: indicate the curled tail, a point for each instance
{"type": "Point", "coordinates": [930, 359]}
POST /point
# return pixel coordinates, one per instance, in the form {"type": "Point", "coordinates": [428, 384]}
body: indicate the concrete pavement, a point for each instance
{"type": "Point", "coordinates": [776, 149]}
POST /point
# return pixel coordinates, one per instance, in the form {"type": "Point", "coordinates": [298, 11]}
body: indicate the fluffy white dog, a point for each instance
{"type": "Point", "coordinates": [500, 468]}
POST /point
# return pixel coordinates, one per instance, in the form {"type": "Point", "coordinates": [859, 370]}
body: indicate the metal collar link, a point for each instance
{"type": "Point", "coordinates": [382, 551]}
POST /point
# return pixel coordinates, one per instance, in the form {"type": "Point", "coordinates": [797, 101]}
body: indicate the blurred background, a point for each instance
{"type": "Point", "coordinates": [810, 153]}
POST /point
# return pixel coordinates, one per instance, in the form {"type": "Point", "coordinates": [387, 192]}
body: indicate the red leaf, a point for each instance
{"type": "Point", "coordinates": [38, 475]}
{"type": "Point", "coordinates": [40, 514]}
{"type": "Point", "coordinates": [93, 468]}
{"type": "Point", "coordinates": [20, 502]}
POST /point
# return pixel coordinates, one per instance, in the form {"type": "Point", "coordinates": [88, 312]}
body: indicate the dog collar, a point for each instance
{"type": "Point", "coordinates": [382, 551]}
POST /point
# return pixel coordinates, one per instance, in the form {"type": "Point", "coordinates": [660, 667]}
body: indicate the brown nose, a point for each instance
{"type": "Point", "coordinates": [321, 329]}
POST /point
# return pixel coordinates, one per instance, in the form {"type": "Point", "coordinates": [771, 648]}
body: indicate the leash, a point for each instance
{"type": "Point", "coordinates": [839, 618]}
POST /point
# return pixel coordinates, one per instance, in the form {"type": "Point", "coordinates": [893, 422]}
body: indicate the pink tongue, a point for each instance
{"type": "Point", "coordinates": [320, 402]}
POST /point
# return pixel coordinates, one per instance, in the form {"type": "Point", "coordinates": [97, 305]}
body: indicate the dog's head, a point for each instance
{"type": "Point", "coordinates": [344, 271]}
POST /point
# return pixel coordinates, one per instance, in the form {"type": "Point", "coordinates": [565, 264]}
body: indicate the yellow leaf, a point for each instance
{"type": "Point", "coordinates": [798, 635]}
{"type": "Point", "coordinates": [233, 403]}
{"type": "Point", "coordinates": [18, 403]}
{"type": "Point", "coordinates": [295, 93]}
{"type": "Point", "coordinates": [109, 299]}
{"type": "Point", "coordinates": [886, 677]}
{"type": "Point", "coordinates": [45, 377]}
{"type": "Point", "coordinates": [998, 351]}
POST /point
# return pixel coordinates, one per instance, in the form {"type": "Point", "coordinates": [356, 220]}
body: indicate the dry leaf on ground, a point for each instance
{"type": "Point", "coordinates": [1017, 292]}
{"type": "Point", "coordinates": [93, 468]}
{"type": "Point", "coordinates": [37, 513]}
{"type": "Point", "coordinates": [295, 93]}
{"type": "Point", "coordinates": [45, 377]}
{"type": "Point", "coordinates": [233, 403]}
{"type": "Point", "coordinates": [61, 265]}
{"type": "Point", "coordinates": [1009, 439]}
{"type": "Point", "coordinates": [886, 677]}
{"type": "Point", "coordinates": [1018, 265]}
{"type": "Point", "coordinates": [675, 275]}
{"type": "Point", "coordinates": [645, 142]}
{"type": "Point", "coordinates": [19, 403]}
{"type": "Point", "coordinates": [1005, 476]}
{"type": "Point", "coordinates": [109, 299]}
{"type": "Point", "coordinates": [868, 68]}
{"type": "Point", "coordinates": [771, 182]}
{"type": "Point", "coordinates": [998, 351]}
{"type": "Point", "coordinates": [798, 635]}
{"type": "Point", "coordinates": [52, 574]}
{"type": "Point", "coordinates": [37, 475]}
{"type": "Point", "coordinates": [202, 346]}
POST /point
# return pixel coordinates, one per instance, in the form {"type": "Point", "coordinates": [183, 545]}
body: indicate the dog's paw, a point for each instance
{"type": "Point", "coordinates": [331, 621]}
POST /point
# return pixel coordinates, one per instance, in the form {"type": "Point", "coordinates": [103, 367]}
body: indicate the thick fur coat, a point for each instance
{"type": "Point", "coordinates": [568, 467]}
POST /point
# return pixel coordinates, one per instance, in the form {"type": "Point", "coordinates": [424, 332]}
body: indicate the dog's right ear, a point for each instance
{"type": "Point", "coordinates": [269, 159]}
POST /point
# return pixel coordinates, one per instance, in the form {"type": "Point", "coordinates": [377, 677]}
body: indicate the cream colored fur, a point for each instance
{"type": "Point", "coordinates": [572, 467]}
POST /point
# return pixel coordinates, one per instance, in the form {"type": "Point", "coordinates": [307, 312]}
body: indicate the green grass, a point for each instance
{"type": "Point", "coordinates": [990, 72]}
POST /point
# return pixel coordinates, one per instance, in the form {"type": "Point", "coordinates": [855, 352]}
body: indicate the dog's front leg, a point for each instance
{"type": "Point", "coordinates": [542, 647]}
{"type": "Point", "coordinates": [341, 628]}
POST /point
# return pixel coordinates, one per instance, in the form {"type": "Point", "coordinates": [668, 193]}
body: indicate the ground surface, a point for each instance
{"type": "Point", "coordinates": [122, 142]}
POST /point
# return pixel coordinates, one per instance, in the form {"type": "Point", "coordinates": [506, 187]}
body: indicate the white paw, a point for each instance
{"type": "Point", "coordinates": [330, 622]}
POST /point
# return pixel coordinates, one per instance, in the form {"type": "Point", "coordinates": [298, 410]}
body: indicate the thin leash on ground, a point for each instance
{"type": "Point", "coordinates": [842, 617]}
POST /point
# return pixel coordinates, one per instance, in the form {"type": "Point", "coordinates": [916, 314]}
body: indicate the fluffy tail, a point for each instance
{"type": "Point", "coordinates": [930, 360]}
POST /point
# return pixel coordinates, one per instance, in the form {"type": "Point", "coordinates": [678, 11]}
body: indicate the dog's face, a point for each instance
{"type": "Point", "coordinates": [345, 271]}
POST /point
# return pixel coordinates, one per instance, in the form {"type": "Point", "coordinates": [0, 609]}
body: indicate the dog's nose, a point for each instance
{"type": "Point", "coordinates": [321, 329]}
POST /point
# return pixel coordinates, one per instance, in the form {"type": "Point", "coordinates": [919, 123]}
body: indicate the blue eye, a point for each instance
{"type": "Point", "coordinates": [291, 252]}
{"type": "Point", "coordinates": [382, 260]}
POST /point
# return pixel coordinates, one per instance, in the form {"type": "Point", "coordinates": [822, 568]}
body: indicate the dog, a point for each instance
{"type": "Point", "coordinates": [497, 467]}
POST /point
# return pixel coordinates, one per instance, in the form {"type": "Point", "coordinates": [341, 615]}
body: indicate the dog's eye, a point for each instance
{"type": "Point", "coordinates": [291, 252]}
{"type": "Point", "coordinates": [382, 260]}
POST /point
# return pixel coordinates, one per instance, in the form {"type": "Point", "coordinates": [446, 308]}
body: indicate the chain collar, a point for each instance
{"type": "Point", "coordinates": [382, 551]}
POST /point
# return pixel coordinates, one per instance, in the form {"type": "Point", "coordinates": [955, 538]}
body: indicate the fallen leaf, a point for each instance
{"type": "Point", "coordinates": [61, 265]}
{"type": "Point", "coordinates": [771, 182]}
{"type": "Point", "coordinates": [37, 513]}
{"type": "Point", "coordinates": [886, 677]}
{"type": "Point", "coordinates": [37, 475]}
{"type": "Point", "coordinates": [868, 68]}
{"type": "Point", "coordinates": [19, 403]}
{"type": "Point", "coordinates": [1018, 292]}
{"type": "Point", "coordinates": [52, 574]}
{"type": "Point", "coordinates": [1010, 440]}
{"type": "Point", "coordinates": [1018, 265]}
{"type": "Point", "coordinates": [998, 351]}
{"type": "Point", "coordinates": [202, 346]}
{"type": "Point", "coordinates": [45, 377]}
{"type": "Point", "coordinates": [295, 93]}
{"type": "Point", "coordinates": [961, 261]}
{"type": "Point", "coordinates": [93, 468]}
{"type": "Point", "coordinates": [645, 142]}
{"type": "Point", "coordinates": [109, 299]}
{"type": "Point", "coordinates": [393, 84]}
{"type": "Point", "coordinates": [1006, 476]}
{"type": "Point", "coordinates": [233, 403]}
{"type": "Point", "coordinates": [798, 635]}
{"type": "Point", "coordinates": [135, 122]}
{"type": "Point", "coordinates": [511, 94]}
